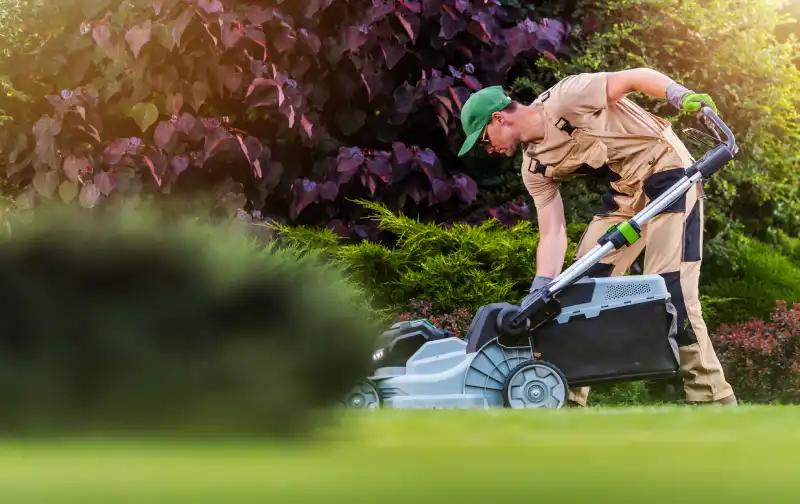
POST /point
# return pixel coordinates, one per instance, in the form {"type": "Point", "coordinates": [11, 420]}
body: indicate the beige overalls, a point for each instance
{"type": "Point", "coordinates": [640, 155]}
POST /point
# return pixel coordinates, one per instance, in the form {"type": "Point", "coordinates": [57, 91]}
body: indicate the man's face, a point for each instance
{"type": "Point", "coordinates": [499, 136]}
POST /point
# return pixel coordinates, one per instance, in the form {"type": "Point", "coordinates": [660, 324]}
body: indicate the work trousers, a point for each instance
{"type": "Point", "coordinates": [673, 245]}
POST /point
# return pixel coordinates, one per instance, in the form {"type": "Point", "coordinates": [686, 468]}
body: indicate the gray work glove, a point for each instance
{"type": "Point", "coordinates": [539, 282]}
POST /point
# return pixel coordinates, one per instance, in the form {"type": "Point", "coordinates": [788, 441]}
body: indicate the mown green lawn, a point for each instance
{"type": "Point", "coordinates": [631, 455]}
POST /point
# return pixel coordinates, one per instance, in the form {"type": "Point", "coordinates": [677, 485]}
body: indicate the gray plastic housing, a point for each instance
{"type": "Point", "coordinates": [442, 375]}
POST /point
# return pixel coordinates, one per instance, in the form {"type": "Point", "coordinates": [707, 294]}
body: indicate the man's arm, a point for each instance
{"type": "Point", "coordinates": [552, 238]}
{"type": "Point", "coordinates": [643, 80]}
{"type": "Point", "coordinates": [655, 84]}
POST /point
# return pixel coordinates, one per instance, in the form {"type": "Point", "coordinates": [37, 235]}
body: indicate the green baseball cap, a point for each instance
{"type": "Point", "coordinates": [477, 112]}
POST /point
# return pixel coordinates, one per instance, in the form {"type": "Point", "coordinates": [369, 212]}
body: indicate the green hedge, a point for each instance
{"type": "Point", "coordinates": [460, 266]}
{"type": "Point", "coordinates": [122, 324]}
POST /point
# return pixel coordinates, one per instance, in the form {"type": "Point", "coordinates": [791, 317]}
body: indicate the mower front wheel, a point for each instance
{"type": "Point", "coordinates": [535, 384]}
{"type": "Point", "coordinates": [363, 395]}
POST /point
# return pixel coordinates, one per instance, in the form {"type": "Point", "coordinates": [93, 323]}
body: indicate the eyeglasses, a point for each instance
{"type": "Point", "coordinates": [484, 139]}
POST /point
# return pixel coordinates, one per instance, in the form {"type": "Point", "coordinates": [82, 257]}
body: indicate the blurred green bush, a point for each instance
{"type": "Point", "coordinates": [122, 324]}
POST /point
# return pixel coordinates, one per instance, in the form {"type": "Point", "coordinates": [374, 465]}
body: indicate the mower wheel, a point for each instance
{"type": "Point", "coordinates": [363, 395]}
{"type": "Point", "coordinates": [535, 384]}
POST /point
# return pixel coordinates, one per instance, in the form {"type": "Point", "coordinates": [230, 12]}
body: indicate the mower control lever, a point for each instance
{"type": "Point", "coordinates": [542, 306]}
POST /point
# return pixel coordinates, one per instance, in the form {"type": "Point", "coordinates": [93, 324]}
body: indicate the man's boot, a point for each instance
{"type": "Point", "coordinates": [725, 401]}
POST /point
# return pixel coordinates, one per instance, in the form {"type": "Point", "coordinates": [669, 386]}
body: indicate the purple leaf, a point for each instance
{"type": "Point", "coordinates": [473, 83]}
{"type": "Point", "coordinates": [402, 154]}
{"type": "Point", "coordinates": [373, 84]}
{"type": "Point", "coordinates": [518, 39]}
{"type": "Point", "coordinates": [430, 165]}
{"type": "Point", "coordinates": [361, 231]}
{"type": "Point", "coordinates": [462, 5]}
{"type": "Point", "coordinates": [522, 209]}
{"type": "Point", "coordinates": [311, 41]}
{"type": "Point", "coordinates": [340, 228]}
{"type": "Point", "coordinates": [117, 149]}
{"type": "Point", "coordinates": [431, 8]}
{"type": "Point", "coordinates": [163, 134]}
{"type": "Point", "coordinates": [404, 98]}
{"type": "Point", "coordinates": [256, 34]}
{"type": "Point", "coordinates": [157, 165]}
{"type": "Point", "coordinates": [305, 193]}
{"type": "Point", "coordinates": [231, 34]}
{"type": "Point", "coordinates": [180, 24]}
{"type": "Point", "coordinates": [460, 96]}
{"type": "Point", "coordinates": [466, 188]}
{"type": "Point", "coordinates": [260, 82]}
{"type": "Point", "coordinates": [380, 9]}
{"type": "Point", "coordinates": [354, 38]}
{"type": "Point", "coordinates": [328, 191]}
{"type": "Point", "coordinates": [251, 148]}
{"type": "Point", "coordinates": [441, 191]}
{"type": "Point", "coordinates": [258, 15]}
{"type": "Point", "coordinates": [105, 184]}
{"type": "Point", "coordinates": [284, 39]}
{"type": "Point", "coordinates": [381, 166]}
{"type": "Point", "coordinates": [411, 25]}
{"type": "Point", "coordinates": [308, 126]}
{"type": "Point", "coordinates": [186, 123]}
{"type": "Point", "coordinates": [210, 6]}
{"type": "Point", "coordinates": [369, 182]}
{"type": "Point", "coordinates": [438, 82]}
{"type": "Point", "coordinates": [348, 162]}
{"type": "Point", "coordinates": [503, 216]}
{"type": "Point", "coordinates": [412, 5]}
{"type": "Point", "coordinates": [179, 164]}
{"type": "Point", "coordinates": [392, 54]}
{"type": "Point", "coordinates": [416, 193]}
{"type": "Point", "coordinates": [451, 26]}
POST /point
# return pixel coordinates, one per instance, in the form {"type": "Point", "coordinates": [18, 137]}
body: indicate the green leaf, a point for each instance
{"type": "Point", "coordinates": [68, 191]}
{"type": "Point", "coordinates": [46, 183]}
{"type": "Point", "coordinates": [200, 92]}
{"type": "Point", "coordinates": [145, 115]}
{"type": "Point", "coordinates": [138, 36]}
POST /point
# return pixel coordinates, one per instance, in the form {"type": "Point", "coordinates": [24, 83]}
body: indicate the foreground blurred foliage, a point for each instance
{"type": "Point", "coordinates": [124, 324]}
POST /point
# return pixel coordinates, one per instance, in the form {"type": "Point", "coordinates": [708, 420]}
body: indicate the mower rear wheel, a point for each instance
{"type": "Point", "coordinates": [363, 395]}
{"type": "Point", "coordinates": [535, 384]}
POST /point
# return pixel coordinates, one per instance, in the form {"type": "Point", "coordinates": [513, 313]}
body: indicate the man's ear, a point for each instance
{"type": "Point", "coordinates": [499, 117]}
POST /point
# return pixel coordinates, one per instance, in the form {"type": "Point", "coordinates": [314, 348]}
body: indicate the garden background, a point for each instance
{"type": "Point", "coordinates": [332, 126]}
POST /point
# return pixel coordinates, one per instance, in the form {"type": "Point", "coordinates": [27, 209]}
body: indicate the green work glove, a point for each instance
{"type": "Point", "coordinates": [693, 102]}
{"type": "Point", "coordinates": [688, 101]}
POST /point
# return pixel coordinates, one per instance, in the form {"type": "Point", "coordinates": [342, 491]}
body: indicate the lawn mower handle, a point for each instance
{"type": "Point", "coordinates": [542, 306]}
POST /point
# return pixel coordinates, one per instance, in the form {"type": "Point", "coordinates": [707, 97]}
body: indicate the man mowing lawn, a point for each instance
{"type": "Point", "coordinates": [585, 125]}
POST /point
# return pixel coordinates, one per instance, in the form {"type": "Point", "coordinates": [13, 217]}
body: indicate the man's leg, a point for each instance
{"type": "Point", "coordinates": [617, 209]}
{"type": "Point", "coordinates": [674, 244]}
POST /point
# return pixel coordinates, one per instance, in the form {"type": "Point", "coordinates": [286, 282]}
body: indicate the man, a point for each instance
{"type": "Point", "coordinates": [585, 125]}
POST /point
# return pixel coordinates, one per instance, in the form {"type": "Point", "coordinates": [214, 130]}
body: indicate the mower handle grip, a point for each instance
{"type": "Point", "coordinates": [730, 141]}
{"type": "Point", "coordinates": [719, 156]}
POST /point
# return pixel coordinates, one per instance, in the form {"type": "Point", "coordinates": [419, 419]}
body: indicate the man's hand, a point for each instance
{"type": "Point", "coordinates": [539, 282]}
{"type": "Point", "coordinates": [688, 101]}
{"type": "Point", "coordinates": [693, 102]}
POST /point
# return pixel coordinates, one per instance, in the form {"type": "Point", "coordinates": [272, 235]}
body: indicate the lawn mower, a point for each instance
{"type": "Point", "coordinates": [577, 331]}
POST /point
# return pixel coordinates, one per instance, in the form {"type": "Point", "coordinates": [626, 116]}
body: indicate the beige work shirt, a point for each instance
{"type": "Point", "coordinates": [623, 138]}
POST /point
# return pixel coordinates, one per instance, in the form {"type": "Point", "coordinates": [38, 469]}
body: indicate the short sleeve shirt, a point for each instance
{"type": "Point", "coordinates": [582, 100]}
